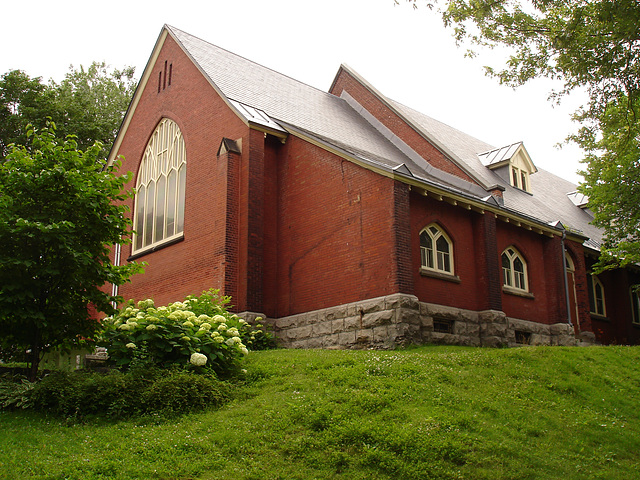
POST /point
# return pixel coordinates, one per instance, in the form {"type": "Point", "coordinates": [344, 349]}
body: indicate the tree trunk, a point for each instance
{"type": "Point", "coordinates": [34, 356]}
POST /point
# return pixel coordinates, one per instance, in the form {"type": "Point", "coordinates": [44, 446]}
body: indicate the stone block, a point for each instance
{"type": "Point", "coordinates": [299, 333]}
{"type": "Point", "coordinates": [351, 323]}
{"type": "Point", "coordinates": [315, 342]}
{"type": "Point", "coordinates": [493, 341]}
{"type": "Point", "coordinates": [377, 318]}
{"type": "Point", "coordinates": [321, 328]}
{"type": "Point", "coordinates": [406, 315]}
{"type": "Point", "coordinates": [336, 312]}
{"type": "Point", "coordinates": [302, 344]}
{"type": "Point", "coordinates": [494, 329]}
{"type": "Point", "coordinates": [346, 338]}
{"type": "Point", "coordinates": [331, 341]}
{"type": "Point", "coordinates": [364, 336]}
{"type": "Point", "coordinates": [401, 300]}
{"type": "Point", "coordinates": [371, 306]}
{"type": "Point", "coordinates": [287, 322]}
{"type": "Point", "coordinates": [337, 326]}
{"type": "Point", "coordinates": [381, 334]}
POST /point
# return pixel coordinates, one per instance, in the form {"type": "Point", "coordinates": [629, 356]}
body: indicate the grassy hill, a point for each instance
{"type": "Point", "coordinates": [422, 413]}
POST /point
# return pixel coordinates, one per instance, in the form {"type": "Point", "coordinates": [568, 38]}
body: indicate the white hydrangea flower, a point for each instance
{"type": "Point", "coordinates": [187, 324]}
{"type": "Point", "coordinates": [125, 327]}
{"type": "Point", "coordinates": [130, 345]}
{"type": "Point", "coordinates": [205, 326]}
{"type": "Point", "coordinates": [152, 327]}
{"type": "Point", "coordinates": [219, 319]}
{"type": "Point", "coordinates": [198, 359]}
{"type": "Point", "coordinates": [233, 331]}
{"type": "Point", "coordinates": [222, 327]}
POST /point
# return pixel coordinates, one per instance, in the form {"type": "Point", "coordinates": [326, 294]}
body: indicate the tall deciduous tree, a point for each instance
{"type": "Point", "coordinates": [587, 44]}
{"type": "Point", "coordinates": [89, 103]}
{"type": "Point", "coordinates": [60, 213]}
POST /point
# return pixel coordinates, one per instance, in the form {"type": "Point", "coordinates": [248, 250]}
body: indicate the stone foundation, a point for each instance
{"type": "Point", "coordinates": [399, 319]}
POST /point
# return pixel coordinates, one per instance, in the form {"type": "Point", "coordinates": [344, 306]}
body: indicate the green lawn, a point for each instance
{"type": "Point", "coordinates": [423, 413]}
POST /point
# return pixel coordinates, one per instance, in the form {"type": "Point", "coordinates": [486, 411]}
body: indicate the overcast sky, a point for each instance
{"type": "Point", "coordinates": [407, 54]}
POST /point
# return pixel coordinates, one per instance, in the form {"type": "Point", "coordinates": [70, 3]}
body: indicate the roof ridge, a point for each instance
{"type": "Point", "coordinates": [280, 74]}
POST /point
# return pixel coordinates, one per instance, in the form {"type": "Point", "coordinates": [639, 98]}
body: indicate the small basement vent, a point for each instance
{"type": "Point", "coordinates": [442, 325]}
{"type": "Point", "coordinates": [523, 338]}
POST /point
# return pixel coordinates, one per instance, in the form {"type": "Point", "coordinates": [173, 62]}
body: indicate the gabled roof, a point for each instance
{"type": "Point", "coordinates": [280, 105]}
{"type": "Point", "coordinates": [504, 155]}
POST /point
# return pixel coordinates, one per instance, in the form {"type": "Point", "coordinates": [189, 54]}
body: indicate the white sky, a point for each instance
{"type": "Point", "coordinates": [407, 54]}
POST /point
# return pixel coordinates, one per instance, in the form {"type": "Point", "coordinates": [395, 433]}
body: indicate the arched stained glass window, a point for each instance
{"type": "Point", "coordinates": [436, 250]}
{"type": "Point", "coordinates": [160, 188]}
{"type": "Point", "coordinates": [514, 270]}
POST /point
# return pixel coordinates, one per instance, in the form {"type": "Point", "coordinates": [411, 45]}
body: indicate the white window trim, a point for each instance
{"type": "Point", "coordinates": [520, 175]}
{"type": "Point", "coordinates": [508, 278]}
{"type": "Point", "coordinates": [164, 156]}
{"type": "Point", "coordinates": [434, 238]}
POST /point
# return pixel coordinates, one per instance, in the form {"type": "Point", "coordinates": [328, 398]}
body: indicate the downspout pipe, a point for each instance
{"type": "Point", "coordinates": [566, 278]}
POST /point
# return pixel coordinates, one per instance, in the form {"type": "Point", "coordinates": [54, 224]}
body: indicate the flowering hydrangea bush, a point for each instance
{"type": "Point", "coordinates": [198, 332]}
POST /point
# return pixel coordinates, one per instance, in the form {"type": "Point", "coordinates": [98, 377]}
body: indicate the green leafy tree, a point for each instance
{"type": "Point", "coordinates": [23, 100]}
{"type": "Point", "coordinates": [89, 103]}
{"type": "Point", "coordinates": [59, 215]}
{"type": "Point", "coordinates": [591, 45]}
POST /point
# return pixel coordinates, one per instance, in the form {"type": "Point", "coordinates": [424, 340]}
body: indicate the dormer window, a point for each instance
{"type": "Point", "coordinates": [519, 178]}
{"type": "Point", "coordinates": [512, 163]}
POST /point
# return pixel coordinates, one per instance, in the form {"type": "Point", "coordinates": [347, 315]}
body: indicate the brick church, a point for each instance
{"type": "Point", "coordinates": [349, 220]}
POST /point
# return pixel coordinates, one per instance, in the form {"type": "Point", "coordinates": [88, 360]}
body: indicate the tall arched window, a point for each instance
{"type": "Point", "coordinates": [159, 209]}
{"type": "Point", "coordinates": [514, 270]}
{"type": "Point", "coordinates": [596, 296]}
{"type": "Point", "coordinates": [436, 250]}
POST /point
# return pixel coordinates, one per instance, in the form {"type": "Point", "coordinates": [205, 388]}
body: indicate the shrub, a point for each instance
{"type": "Point", "coordinates": [183, 391]}
{"type": "Point", "coordinates": [198, 332]}
{"type": "Point", "coordinates": [122, 395]}
{"type": "Point", "coordinates": [15, 392]}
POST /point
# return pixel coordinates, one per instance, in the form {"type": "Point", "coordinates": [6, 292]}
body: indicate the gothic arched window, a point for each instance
{"type": "Point", "coordinates": [514, 270]}
{"type": "Point", "coordinates": [436, 250]}
{"type": "Point", "coordinates": [160, 188]}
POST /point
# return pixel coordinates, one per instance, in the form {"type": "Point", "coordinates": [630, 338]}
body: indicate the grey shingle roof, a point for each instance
{"type": "Point", "coordinates": [340, 123]}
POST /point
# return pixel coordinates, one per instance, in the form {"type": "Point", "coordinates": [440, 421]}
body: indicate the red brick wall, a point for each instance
{"type": "Point", "coordinates": [458, 225]}
{"type": "Point", "coordinates": [576, 251]}
{"type": "Point", "coordinates": [617, 327]}
{"type": "Point", "coordinates": [345, 82]}
{"type": "Point", "coordinates": [545, 273]}
{"type": "Point", "coordinates": [196, 263]}
{"type": "Point", "coordinates": [335, 231]}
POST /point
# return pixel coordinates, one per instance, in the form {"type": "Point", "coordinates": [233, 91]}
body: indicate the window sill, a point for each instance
{"type": "Point", "coordinates": [517, 292]}
{"type": "Point", "coordinates": [448, 277]}
{"type": "Point", "coordinates": [156, 247]}
{"type": "Point", "coordinates": [597, 316]}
